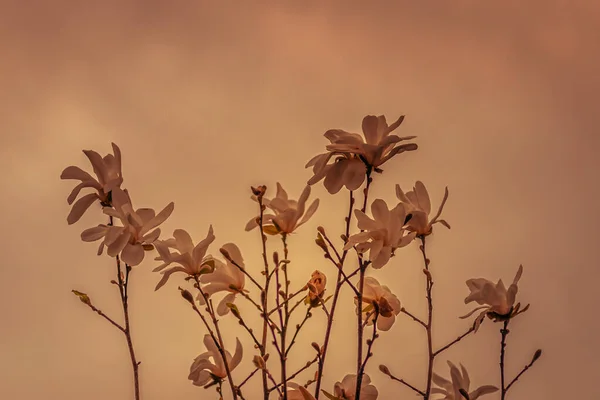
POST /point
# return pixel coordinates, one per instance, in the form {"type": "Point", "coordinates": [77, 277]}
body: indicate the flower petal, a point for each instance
{"type": "Point", "coordinates": [133, 254]}
{"type": "Point", "coordinates": [80, 207]}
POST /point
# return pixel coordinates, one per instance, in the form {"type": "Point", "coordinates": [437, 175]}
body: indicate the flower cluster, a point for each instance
{"type": "Point", "coordinates": [372, 238]}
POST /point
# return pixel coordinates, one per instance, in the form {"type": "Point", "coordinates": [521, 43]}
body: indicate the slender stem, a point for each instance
{"type": "Point", "coordinates": [264, 296]}
{"type": "Point", "coordinates": [403, 310]}
{"type": "Point", "coordinates": [336, 293]}
{"type": "Point", "coordinates": [504, 332]}
{"type": "Point", "coordinates": [282, 332]}
{"type": "Point", "coordinates": [247, 378]}
{"type": "Point", "coordinates": [298, 328]}
{"type": "Point", "coordinates": [535, 358]}
{"type": "Point", "coordinates": [292, 376]}
{"type": "Point", "coordinates": [458, 339]}
{"type": "Point", "coordinates": [370, 343]}
{"type": "Point", "coordinates": [290, 298]}
{"type": "Point", "coordinates": [107, 318]}
{"type": "Point", "coordinates": [430, 353]}
{"type": "Point", "coordinates": [361, 282]}
{"type": "Point", "coordinates": [402, 381]}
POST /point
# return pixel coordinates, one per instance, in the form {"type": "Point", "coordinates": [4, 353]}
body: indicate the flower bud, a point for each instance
{"type": "Point", "coordinates": [538, 354]}
{"type": "Point", "coordinates": [321, 230]}
{"type": "Point", "coordinates": [259, 362]}
{"type": "Point", "coordinates": [187, 296]}
{"type": "Point", "coordinates": [85, 299]}
{"type": "Point", "coordinates": [316, 346]}
{"type": "Point", "coordinates": [384, 369]}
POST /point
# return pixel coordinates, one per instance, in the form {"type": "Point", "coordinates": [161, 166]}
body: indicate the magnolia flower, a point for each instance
{"type": "Point", "coordinates": [190, 259]}
{"type": "Point", "coordinates": [297, 392]}
{"type": "Point", "coordinates": [354, 154]}
{"type": "Point", "coordinates": [418, 208]}
{"type": "Point", "coordinates": [388, 304]}
{"type": "Point", "coordinates": [204, 371]}
{"type": "Point", "coordinates": [109, 177]}
{"type": "Point", "coordinates": [226, 277]}
{"type": "Point", "coordinates": [382, 235]}
{"type": "Point", "coordinates": [138, 230]}
{"type": "Point", "coordinates": [288, 214]}
{"type": "Point", "coordinates": [346, 390]}
{"type": "Point", "coordinates": [460, 380]}
{"type": "Point", "coordinates": [316, 287]}
{"type": "Point", "coordinates": [496, 301]}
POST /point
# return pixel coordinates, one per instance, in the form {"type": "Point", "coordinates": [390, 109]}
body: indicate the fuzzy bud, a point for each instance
{"type": "Point", "coordinates": [384, 369]}
{"type": "Point", "coordinates": [187, 296]}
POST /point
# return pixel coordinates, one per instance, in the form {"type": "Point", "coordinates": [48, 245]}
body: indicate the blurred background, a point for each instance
{"type": "Point", "coordinates": [207, 98]}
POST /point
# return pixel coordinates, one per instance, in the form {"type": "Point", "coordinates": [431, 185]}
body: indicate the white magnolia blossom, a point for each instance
{"type": "Point", "coordinates": [492, 297]}
{"type": "Point", "coordinates": [138, 229]}
{"type": "Point", "coordinates": [383, 234]}
{"type": "Point", "coordinates": [188, 258]}
{"type": "Point", "coordinates": [418, 209]}
{"type": "Point", "coordinates": [388, 304]}
{"type": "Point", "coordinates": [226, 277]}
{"type": "Point", "coordinates": [203, 370]}
{"type": "Point", "coordinates": [288, 215]}
{"type": "Point", "coordinates": [297, 392]}
{"type": "Point", "coordinates": [108, 177]}
{"type": "Point", "coordinates": [459, 380]}
{"type": "Point", "coordinates": [346, 389]}
{"type": "Point", "coordinates": [353, 153]}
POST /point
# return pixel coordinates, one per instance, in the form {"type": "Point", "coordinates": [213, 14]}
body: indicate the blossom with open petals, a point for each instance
{"type": "Point", "coordinates": [496, 301]}
{"type": "Point", "coordinates": [203, 370]}
{"type": "Point", "coordinates": [383, 234]}
{"type": "Point", "coordinates": [226, 277]}
{"type": "Point", "coordinates": [388, 304]}
{"type": "Point", "coordinates": [297, 392]}
{"type": "Point", "coordinates": [459, 380]}
{"type": "Point", "coordinates": [108, 177]}
{"type": "Point", "coordinates": [288, 215]}
{"type": "Point", "coordinates": [190, 259]}
{"type": "Point", "coordinates": [139, 229]}
{"type": "Point", "coordinates": [354, 155]}
{"type": "Point", "coordinates": [346, 389]}
{"type": "Point", "coordinates": [418, 208]}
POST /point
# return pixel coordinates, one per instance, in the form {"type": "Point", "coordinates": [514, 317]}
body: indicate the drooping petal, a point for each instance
{"type": "Point", "coordinates": [237, 356]}
{"type": "Point", "coordinates": [385, 323]}
{"type": "Point", "coordinates": [80, 207]}
{"type": "Point", "coordinates": [73, 172]}
{"type": "Point", "coordinates": [77, 189]}
{"type": "Point", "coordinates": [93, 234]}
{"type": "Point", "coordinates": [483, 390]}
{"type": "Point", "coordinates": [222, 308]}
{"type": "Point", "coordinates": [133, 254]}
{"type": "Point", "coordinates": [166, 274]}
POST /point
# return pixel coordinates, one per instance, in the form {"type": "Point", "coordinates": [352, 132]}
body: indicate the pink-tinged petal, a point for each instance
{"type": "Point", "coordinates": [385, 323]}
{"type": "Point", "coordinates": [166, 274]}
{"type": "Point", "coordinates": [158, 219]}
{"type": "Point", "coordinates": [237, 356]}
{"type": "Point", "coordinates": [439, 212]}
{"type": "Point", "coordinates": [200, 250]}
{"type": "Point", "coordinates": [80, 207]}
{"type": "Point", "coordinates": [234, 253]}
{"type": "Point", "coordinates": [112, 212]}
{"type": "Point", "coordinates": [184, 241]}
{"type": "Point", "coordinates": [376, 247]}
{"type": "Point", "coordinates": [73, 172]}
{"type": "Point", "coordinates": [97, 163]}
{"type": "Point", "coordinates": [518, 275]}
{"type": "Point", "coordinates": [465, 377]}
{"type": "Point", "coordinates": [251, 225]}
{"type": "Point", "coordinates": [397, 150]}
{"type": "Point", "coordinates": [113, 234]}
{"type": "Point", "coordinates": [93, 234]}
{"type": "Point", "coordinates": [146, 214]}
{"type": "Point", "coordinates": [100, 248]}
{"type": "Point", "coordinates": [380, 211]}
{"type": "Point", "coordinates": [75, 192]}
{"type": "Point", "coordinates": [222, 308]}
{"type": "Point", "coordinates": [400, 195]}
{"type": "Point", "coordinates": [382, 258]}
{"type": "Point", "coordinates": [354, 173]}
{"type": "Point", "coordinates": [151, 237]}
{"type": "Point", "coordinates": [369, 393]}
{"type": "Point", "coordinates": [440, 381]}
{"type": "Point", "coordinates": [309, 212]}
{"type": "Point", "coordinates": [423, 197]}
{"type": "Point", "coordinates": [133, 254]}
{"type": "Point", "coordinates": [305, 393]}
{"type": "Point", "coordinates": [357, 238]}
{"type": "Point", "coordinates": [281, 193]}
{"type": "Point", "coordinates": [364, 222]}
{"type": "Point", "coordinates": [395, 125]}
{"type": "Point", "coordinates": [117, 153]}
{"type": "Point", "coordinates": [119, 244]}
{"type": "Point", "coordinates": [201, 379]}
{"type": "Point", "coordinates": [334, 178]}
{"type": "Point", "coordinates": [302, 200]}
{"type": "Point", "coordinates": [370, 128]}
{"type": "Point", "coordinates": [487, 389]}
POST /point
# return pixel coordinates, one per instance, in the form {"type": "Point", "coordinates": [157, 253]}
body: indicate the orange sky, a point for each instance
{"type": "Point", "coordinates": [206, 100]}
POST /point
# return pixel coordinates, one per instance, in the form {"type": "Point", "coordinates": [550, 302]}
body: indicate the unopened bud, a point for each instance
{"type": "Point", "coordinates": [316, 346]}
{"type": "Point", "coordinates": [321, 243]}
{"type": "Point", "coordinates": [538, 354]}
{"type": "Point", "coordinates": [276, 257]}
{"type": "Point", "coordinates": [344, 237]}
{"type": "Point", "coordinates": [321, 230]}
{"type": "Point", "coordinates": [234, 310]}
{"type": "Point", "coordinates": [85, 299]}
{"type": "Point", "coordinates": [384, 369]}
{"type": "Point", "coordinates": [259, 362]}
{"type": "Point", "coordinates": [187, 296]}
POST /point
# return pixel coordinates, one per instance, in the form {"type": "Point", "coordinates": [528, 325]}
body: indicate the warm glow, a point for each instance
{"type": "Point", "coordinates": [206, 100]}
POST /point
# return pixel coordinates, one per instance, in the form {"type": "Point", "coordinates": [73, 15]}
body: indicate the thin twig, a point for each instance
{"type": "Point", "coordinates": [503, 332]}
{"type": "Point", "coordinates": [403, 311]}
{"type": "Point", "coordinates": [535, 358]}
{"type": "Point", "coordinates": [458, 339]}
